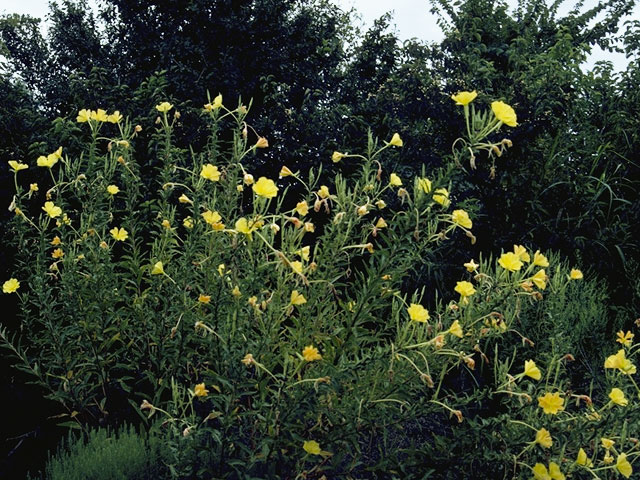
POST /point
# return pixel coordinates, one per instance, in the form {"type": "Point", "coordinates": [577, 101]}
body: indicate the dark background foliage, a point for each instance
{"type": "Point", "coordinates": [570, 183]}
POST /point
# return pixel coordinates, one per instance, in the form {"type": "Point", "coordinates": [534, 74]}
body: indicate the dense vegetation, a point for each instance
{"type": "Point", "coordinates": [288, 83]}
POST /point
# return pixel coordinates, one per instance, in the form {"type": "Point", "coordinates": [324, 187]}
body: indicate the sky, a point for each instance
{"type": "Point", "coordinates": [412, 19]}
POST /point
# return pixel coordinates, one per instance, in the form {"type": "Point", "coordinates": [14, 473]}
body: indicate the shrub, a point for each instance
{"type": "Point", "coordinates": [103, 454]}
{"type": "Point", "coordinates": [271, 324]}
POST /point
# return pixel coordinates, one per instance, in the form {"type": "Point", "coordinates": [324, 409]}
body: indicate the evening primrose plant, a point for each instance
{"type": "Point", "coordinates": [264, 318]}
{"type": "Point", "coordinates": [481, 125]}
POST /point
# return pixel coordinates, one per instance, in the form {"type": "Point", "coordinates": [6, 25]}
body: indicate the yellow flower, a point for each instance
{"type": "Point", "coordinates": [56, 241]}
{"type": "Point", "coordinates": [394, 180]}
{"type": "Point", "coordinates": [311, 353]}
{"type": "Point", "coordinates": [236, 292]}
{"type": "Point", "coordinates": [607, 443]}
{"type": "Point", "coordinates": [221, 269]}
{"type": "Point", "coordinates": [262, 143]}
{"type": "Point", "coordinates": [297, 266]}
{"type": "Point", "coordinates": [202, 298]}
{"type": "Point", "coordinates": [48, 161]}
{"type": "Point", "coordinates": [575, 274]}
{"type": "Point", "coordinates": [100, 115]}
{"type": "Point", "coordinates": [551, 403]}
{"type": "Point", "coordinates": [608, 458]}
{"type": "Point", "coordinates": [200, 390]}
{"type": "Point", "coordinates": [418, 313]}
{"type": "Point", "coordinates": [248, 179]}
{"type": "Point", "coordinates": [460, 217]}
{"type": "Point", "coordinates": [184, 199]}
{"type": "Point", "coordinates": [188, 222]}
{"type": "Point", "coordinates": [540, 279]}
{"type": "Point", "coordinates": [265, 187]}
{"type": "Point", "coordinates": [302, 208]}
{"type": "Point", "coordinates": [312, 447]}
{"type": "Point", "coordinates": [540, 260]}
{"type": "Point", "coordinates": [216, 104]}
{"type": "Point", "coordinates": [531, 370]}
{"type": "Point", "coordinates": [625, 339]}
{"type": "Point", "coordinates": [621, 362]}
{"type": "Point", "coordinates": [464, 98]}
{"type": "Point", "coordinates": [285, 171]}
{"type": "Point", "coordinates": [33, 187]}
{"type": "Point", "coordinates": [441, 196]}
{"type": "Point", "coordinates": [381, 223]}
{"type": "Point", "coordinates": [540, 472]}
{"type": "Point", "coordinates": [304, 253]}
{"type": "Point", "coordinates": [115, 117]}
{"type": "Point", "coordinates": [164, 107]}
{"type": "Point", "coordinates": [323, 192]}
{"type": "Point", "coordinates": [465, 289]}
{"type": "Point", "coordinates": [119, 234]}
{"type": "Point", "coordinates": [522, 253]}
{"type": "Point", "coordinates": [337, 156]}
{"type": "Point", "coordinates": [617, 396]}
{"type": "Point", "coordinates": [504, 113]}
{"type": "Point", "coordinates": [113, 189]}
{"type": "Point", "coordinates": [16, 166]}
{"type": "Point", "coordinates": [381, 204]}
{"type": "Point", "coordinates": [211, 217]}
{"type": "Point", "coordinates": [583, 459]}
{"type": "Point", "coordinates": [543, 437]}
{"type": "Point", "coordinates": [425, 185]}
{"type": "Point", "coordinates": [210, 172]}
{"type": "Point", "coordinates": [52, 210]}
{"type": "Point", "coordinates": [158, 269]}
{"type": "Point", "coordinates": [471, 266]}
{"type": "Point", "coordinates": [297, 298]}
{"type": "Point", "coordinates": [510, 261]}
{"type": "Point", "coordinates": [456, 329]}
{"type": "Point", "coordinates": [247, 227]}
{"type": "Point", "coordinates": [396, 141]}
{"type": "Point", "coordinates": [57, 253]}
{"type": "Point", "coordinates": [84, 116]}
{"type": "Point", "coordinates": [554, 471]}
{"type": "Point", "coordinates": [623, 465]}
{"type": "Point", "coordinates": [11, 285]}
{"type": "Point", "coordinates": [361, 211]}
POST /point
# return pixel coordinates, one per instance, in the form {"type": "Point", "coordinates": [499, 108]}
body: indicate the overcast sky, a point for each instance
{"type": "Point", "coordinates": [412, 18]}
